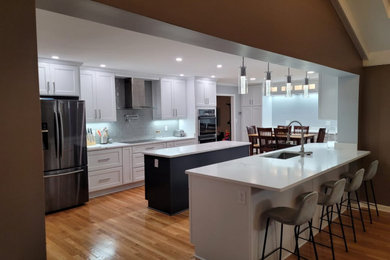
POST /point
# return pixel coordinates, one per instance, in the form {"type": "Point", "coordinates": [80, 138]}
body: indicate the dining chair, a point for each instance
{"type": "Point", "coordinates": [281, 138]}
{"type": "Point", "coordinates": [299, 129]}
{"type": "Point", "coordinates": [252, 139]}
{"type": "Point", "coordinates": [265, 139]}
{"type": "Point", "coordinates": [321, 135]}
{"type": "Point", "coordinates": [285, 127]}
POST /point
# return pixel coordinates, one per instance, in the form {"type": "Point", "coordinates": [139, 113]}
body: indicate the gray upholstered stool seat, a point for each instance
{"type": "Point", "coordinates": [367, 179]}
{"type": "Point", "coordinates": [293, 216]}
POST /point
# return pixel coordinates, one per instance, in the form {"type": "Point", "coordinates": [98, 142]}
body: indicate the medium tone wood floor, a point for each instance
{"type": "Point", "coordinates": [120, 226]}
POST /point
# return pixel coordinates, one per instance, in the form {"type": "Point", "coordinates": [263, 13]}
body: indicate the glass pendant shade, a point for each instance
{"type": "Point", "coordinates": [306, 87]}
{"type": "Point", "coordinates": [242, 80]}
{"type": "Point", "coordinates": [288, 85]}
{"type": "Point", "coordinates": [267, 91]}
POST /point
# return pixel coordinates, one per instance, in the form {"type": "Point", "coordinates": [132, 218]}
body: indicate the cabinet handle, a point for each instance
{"type": "Point", "coordinates": [100, 114]}
{"type": "Point", "coordinates": [48, 87]}
{"type": "Point", "coordinates": [104, 160]}
{"type": "Point", "coordinates": [54, 87]}
{"type": "Point", "coordinates": [149, 148]}
{"type": "Point", "coordinates": [104, 180]}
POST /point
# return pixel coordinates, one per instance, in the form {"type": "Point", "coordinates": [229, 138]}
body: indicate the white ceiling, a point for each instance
{"type": "Point", "coordinates": [93, 44]}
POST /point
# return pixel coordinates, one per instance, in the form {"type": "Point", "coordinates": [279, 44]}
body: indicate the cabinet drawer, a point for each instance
{"type": "Point", "coordinates": [104, 159]}
{"type": "Point", "coordinates": [103, 179]}
{"type": "Point", "coordinates": [138, 174]}
{"type": "Point", "coordinates": [185, 142]}
{"type": "Point", "coordinates": [170, 144]}
{"type": "Point", "coordinates": [142, 148]}
{"type": "Point", "coordinates": [138, 160]}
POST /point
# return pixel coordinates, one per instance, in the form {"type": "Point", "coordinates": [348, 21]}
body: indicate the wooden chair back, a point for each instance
{"type": "Point", "coordinates": [285, 127]}
{"type": "Point", "coordinates": [251, 129]}
{"type": "Point", "coordinates": [321, 135]}
{"type": "Point", "coordinates": [265, 139]}
{"type": "Point", "coordinates": [299, 129]}
{"type": "Point", "coordinates": [281, 137]}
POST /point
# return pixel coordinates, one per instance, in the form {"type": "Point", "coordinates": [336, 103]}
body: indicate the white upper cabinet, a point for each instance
{"type": "Point", "coordinates": [98, 91]}
{"type": "Point", "coordinates": [205, 93]}
{"type": "Point", "coordinates": [253, 98]}
{"type": "Point", "coordinates": [58, 79]}
{"type": "Point", "coordinates": [250, 115]}
{"type": "Point", "coordinates": [169, 99]}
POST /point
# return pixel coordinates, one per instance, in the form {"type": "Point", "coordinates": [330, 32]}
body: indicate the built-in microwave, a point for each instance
{"type": "Point", "coordinates": [207, 125]}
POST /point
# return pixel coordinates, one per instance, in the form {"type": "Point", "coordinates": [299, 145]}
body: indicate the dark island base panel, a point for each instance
{"type": "Point", "coordinates": [166, 186]}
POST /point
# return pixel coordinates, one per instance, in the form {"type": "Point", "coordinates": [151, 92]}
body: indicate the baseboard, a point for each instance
{"type": "Point", "coordinates": [382, 208]}
{"type": "Point", "coordinates": [99, 193]}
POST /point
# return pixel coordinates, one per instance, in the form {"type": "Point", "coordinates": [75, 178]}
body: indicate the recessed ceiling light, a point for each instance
{"type": "Point", "coordinates": [252, 79]}
{"type": "Point", "coordinates": [219, 66]}
{"type": "Point", "coordinates": [213, 76]}
{"type": "Point", "coordinates": [55, 57]}
{"type": "Point", "coordinates": [181, 75]}
{"type": "Point", "coordinates": [103, 65]}
{"type": "Point", "coordinates": [310, 72]}
{"type": "Point", "coordinates": [179, 59]}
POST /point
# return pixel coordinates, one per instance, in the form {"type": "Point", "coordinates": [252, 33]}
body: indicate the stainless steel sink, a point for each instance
{"type": "Point", "coordinates": [282, 155]}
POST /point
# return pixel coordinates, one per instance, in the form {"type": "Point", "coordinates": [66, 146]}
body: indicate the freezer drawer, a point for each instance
{"type": "Point", "coordinates": [66, 190]}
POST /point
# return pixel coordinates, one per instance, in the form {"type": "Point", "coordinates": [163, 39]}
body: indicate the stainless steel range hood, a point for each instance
{"type": "Point", "coordinates": [135, 92]}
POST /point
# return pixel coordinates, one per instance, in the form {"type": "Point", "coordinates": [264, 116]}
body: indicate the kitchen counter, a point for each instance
{"type": "Point", "coordinates": [266, 173]}
{"type": "Point", "coordinates": [195, 149]}
{"type": "Point", "coordinates": [228, 199]}
{"type": "Point", "coordinates": [166, 184]}
{"type": "Point", "coordinates": [123, 144]}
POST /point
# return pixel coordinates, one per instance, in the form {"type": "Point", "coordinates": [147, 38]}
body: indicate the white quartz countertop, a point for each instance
{"type": "Point", "coordinates": [194, 149]}
{"type": "Point", "coordinates": [277, 174]}
{"type": "Point", "coordinates": [119, 144]}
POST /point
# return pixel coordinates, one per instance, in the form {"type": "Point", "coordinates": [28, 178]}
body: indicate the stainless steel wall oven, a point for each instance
{"type": "Point", "coordinates": [207, 125]}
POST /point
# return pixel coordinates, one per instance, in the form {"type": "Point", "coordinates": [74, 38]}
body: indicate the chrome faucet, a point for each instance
{"type": "Point", "coordinates": [302, 152]}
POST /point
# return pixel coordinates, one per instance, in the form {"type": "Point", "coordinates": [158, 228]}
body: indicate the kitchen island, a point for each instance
{"type": "Point", "coordinates": [166, 184]}
{"type": "Point", "coordinates": [227, 199]}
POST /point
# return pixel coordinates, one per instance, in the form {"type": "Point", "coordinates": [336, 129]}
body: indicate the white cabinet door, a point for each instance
{"type": "Point", "coordinates": [87, 93]}
{"type": "Point", "coordinates": [44, 78]}
{"type": "Point", "coordinates": [246, 120]}
{"type": "Point", "coordinates": [179, 98]}
{"type": "Point", "coordinates": [246, 99]}
{"type": "Point", "coordinates": [211, 93]}
{"type": "Point", "coordinates": [127, 166]}
{"type": "Point", "coordinates": [256, 116]}
{"type": "Point", "coordinates": [200, 92]}
{"type": "Point", "coordinates": [166, 99]}
{"type": "Point", "coordinates": [65, 80]}
{"type": "Point", "coordinates": [256, 95]}
{"type": "Point", "coordinates": [105, 96]}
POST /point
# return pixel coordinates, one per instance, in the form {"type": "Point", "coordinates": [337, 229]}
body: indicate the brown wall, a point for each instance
{"type": "Point", "coordinates": [374, 124]}
{"type": "Point", "coordinates": [22, 229]}
{"type": "Point", "coordinates": [304, 29]}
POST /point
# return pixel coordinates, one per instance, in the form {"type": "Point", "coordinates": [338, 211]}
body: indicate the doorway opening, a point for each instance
{"type": "Point", "coordinates": [225, 117]}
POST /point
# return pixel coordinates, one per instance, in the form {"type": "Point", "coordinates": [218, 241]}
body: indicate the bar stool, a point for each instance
{"type": "Point", "coordinates": [368, 176]}
{"type": "Point", "coordinates": [293, 216]}
{"type": "Point", "coordinates": [328, 201]}
{"type": "Point", "coordinates": [352, 186]}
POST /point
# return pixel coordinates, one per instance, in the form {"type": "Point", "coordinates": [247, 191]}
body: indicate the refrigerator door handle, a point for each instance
{"type": "Point", "coordinates": [57, 137]}
{"type": "Point", "coordinates": [62, 133]}
{"type": "Point", "coordinates": [62, 174]}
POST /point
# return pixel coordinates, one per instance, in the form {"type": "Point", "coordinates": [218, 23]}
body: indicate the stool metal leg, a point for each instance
{"type": "Point", "coordinates": [312, 239]}
{"type": "Point", "coordinates": [330, 231]}
{"type": "Point", "coordinates": [342, 227]}
{"type": "Point", "coordinates": [368, 201]}
{"type": "Point", "coordinates": [296, 233]}
{"type": "Point", "coordinates": [281, 241]}
{"type": "Point", "coordinates": [265, 238]}
{"type": "Point", "coordinates": [322, 215]}
{"type": "Point", "coordinates": [351, 215]}
{"type": "Point", "coordinates": [373, 195]}
{"type": "Point", "coordinates": [360, 211]}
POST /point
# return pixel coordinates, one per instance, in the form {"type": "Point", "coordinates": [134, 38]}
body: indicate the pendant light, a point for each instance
{"type": "Point", "coordinates": [242, 80]}
{"type": "Point", "coordinates": [288, 85]}
{"type": "Point", "coordinates": [268, 82]}
{"type": "Point", "coordinates": [306, 87]}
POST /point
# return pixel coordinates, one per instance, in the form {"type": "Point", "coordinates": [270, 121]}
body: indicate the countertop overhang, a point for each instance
{"type": "Point", "coordinates": [277, 174]}
{"type": "Point", "coordinates": [194, 149]}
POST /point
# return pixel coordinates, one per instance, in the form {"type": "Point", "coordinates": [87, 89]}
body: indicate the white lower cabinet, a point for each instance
{"type": "Point", "coordinates": [111, 168]}
{"type": "Point", "coordinates": [104, 179]}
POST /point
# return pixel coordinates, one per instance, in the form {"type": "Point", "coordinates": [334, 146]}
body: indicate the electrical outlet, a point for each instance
{"type": "Point", "coordinates": [166, 128]}
{"type": "Point", "coordinates": [241, 197]}
{"type": "Point", "coordinates": [155, 163]}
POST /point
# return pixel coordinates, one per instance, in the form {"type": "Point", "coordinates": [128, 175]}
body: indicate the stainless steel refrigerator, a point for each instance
{"type": "Point", "coordinates": [65, 153]}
